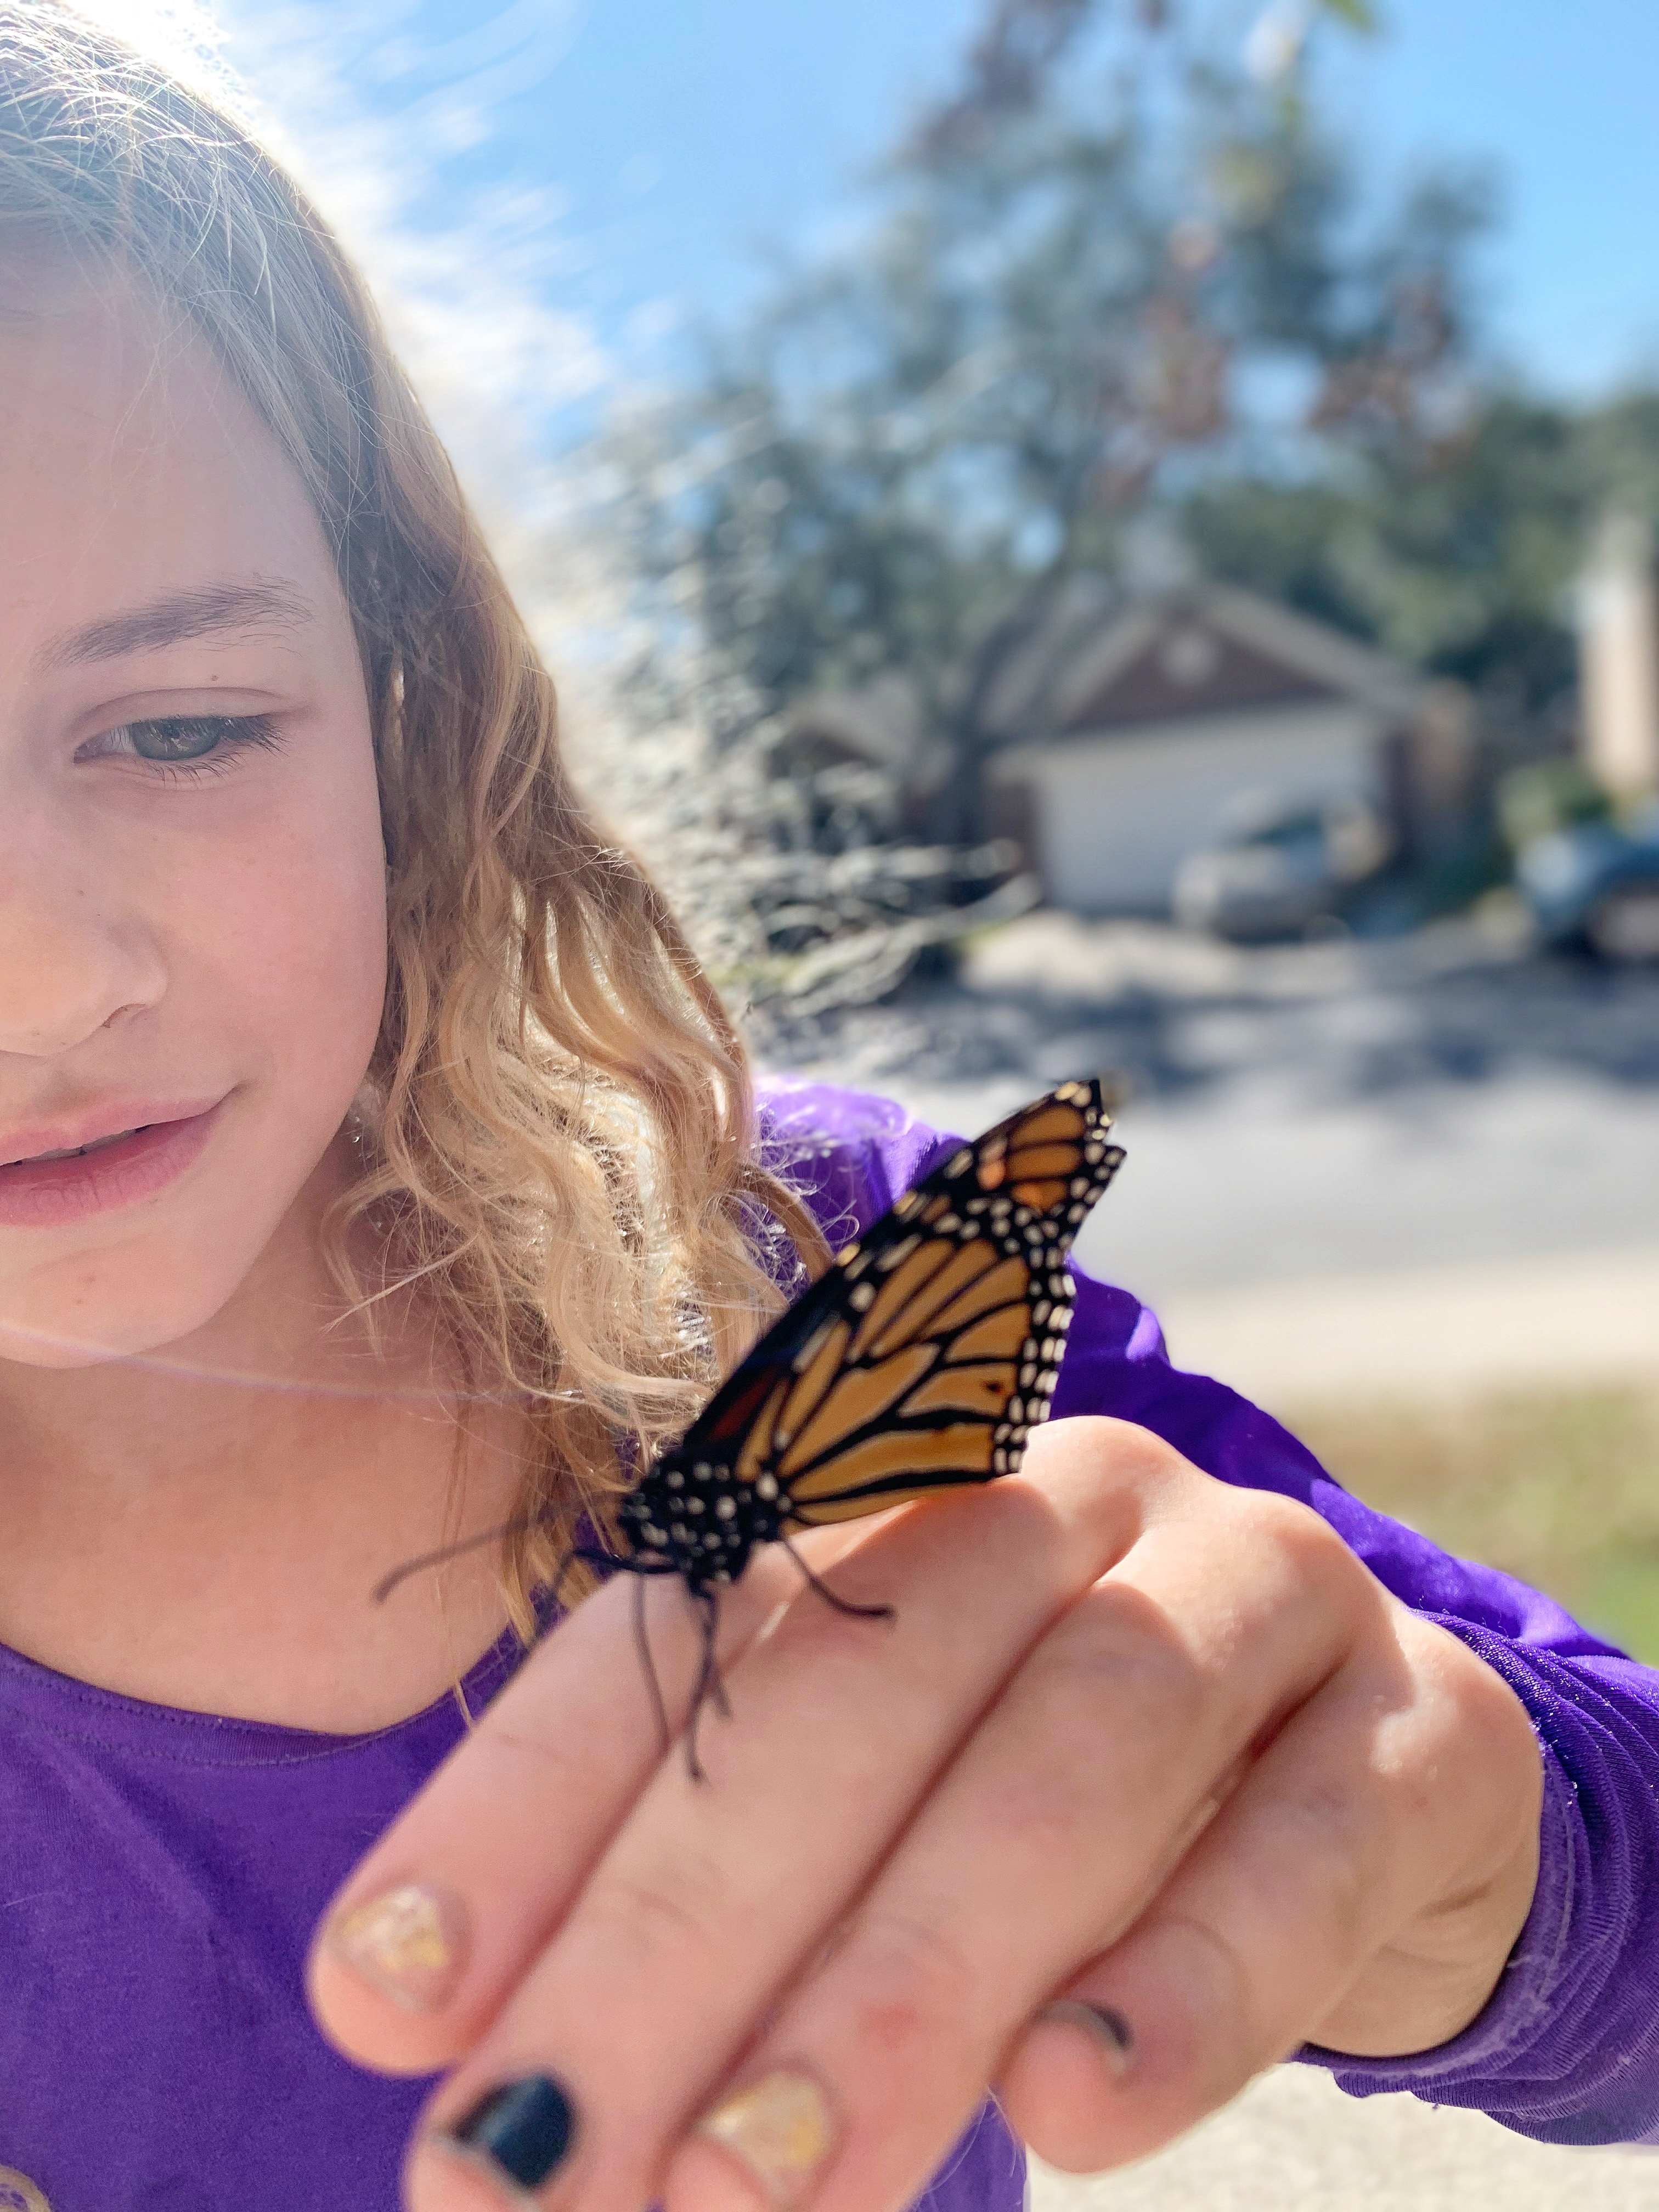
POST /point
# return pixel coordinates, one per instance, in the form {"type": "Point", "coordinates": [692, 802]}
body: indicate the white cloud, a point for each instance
{"type": "Point", "coordinates": [468, 280]}
{"type": "Point", "coordinates": [370, 114]}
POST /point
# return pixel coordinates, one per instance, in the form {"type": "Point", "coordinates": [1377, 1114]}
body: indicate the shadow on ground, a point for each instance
{"type": "Point", "coordinates": [1174, 1016]}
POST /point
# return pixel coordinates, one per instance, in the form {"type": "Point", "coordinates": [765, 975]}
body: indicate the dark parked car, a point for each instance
{"type": "Point", "coordinates": [1594, 888]}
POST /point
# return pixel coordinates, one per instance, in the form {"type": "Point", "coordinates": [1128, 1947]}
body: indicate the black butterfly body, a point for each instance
{"type": "Point", "coordinates": [921, 1360]}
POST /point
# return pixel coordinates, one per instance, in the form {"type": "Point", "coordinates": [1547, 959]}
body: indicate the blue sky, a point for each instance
{"type": "Point", "coordinates": [1560, 93]}
{"type": "Point", "coordinates": [656, 149]}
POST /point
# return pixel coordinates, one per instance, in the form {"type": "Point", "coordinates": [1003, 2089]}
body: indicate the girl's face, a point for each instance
{"type": "Point", "coordinates": [193, 896]}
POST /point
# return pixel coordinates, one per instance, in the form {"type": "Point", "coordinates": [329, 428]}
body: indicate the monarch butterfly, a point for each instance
{"type": "Point", "coordinates": [921, 1360]}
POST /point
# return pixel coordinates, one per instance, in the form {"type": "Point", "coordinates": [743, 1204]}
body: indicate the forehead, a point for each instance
{"type": "Point", "coordinates": [130, 464]}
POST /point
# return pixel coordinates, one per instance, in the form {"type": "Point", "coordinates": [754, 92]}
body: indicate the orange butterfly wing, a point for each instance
{"type": "Point", "coordinates": [923, 1359]}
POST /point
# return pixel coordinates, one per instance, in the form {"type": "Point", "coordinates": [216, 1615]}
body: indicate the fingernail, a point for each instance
{"type": "Point", "coordinates": [522, 2131]}
{"type": "Point", "coordinates": [410, 1944]}
{"type": "Point", "coordinates": [781, 2127]}
{"type": "Point", "coordinates": [1111, 2031]}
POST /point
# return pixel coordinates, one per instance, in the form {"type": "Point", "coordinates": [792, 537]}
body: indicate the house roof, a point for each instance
{"type": "Point", "coordinates": [1093, 660]}
{"type": "Point", "coordinates": [882, 723]}
{"type": "Point", "coordinates": [1201, 649]}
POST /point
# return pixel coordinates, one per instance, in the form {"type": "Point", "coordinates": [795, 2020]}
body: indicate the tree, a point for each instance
{"type": "Point", "coordinates": [1464, 568]}
{"type": "Point", "coordinates": [1097, 270]}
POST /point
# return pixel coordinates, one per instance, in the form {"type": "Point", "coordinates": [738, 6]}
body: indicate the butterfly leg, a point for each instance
{"type": "Point", "coordinates": [717, 1696]}
{"type": "Point", "coordinates": [710, 1689]}
{"type": "Point", "coordinates": [642, 1645]}
{"type": "Point", "coordinates": [840, 1604]}
{"type": "Point", "coordinates": [555, 1588]}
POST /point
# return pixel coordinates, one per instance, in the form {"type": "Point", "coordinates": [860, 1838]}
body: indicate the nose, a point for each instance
{"type": "Point", "coordinates": [72, 957]}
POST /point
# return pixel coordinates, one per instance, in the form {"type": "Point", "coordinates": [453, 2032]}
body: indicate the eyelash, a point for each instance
{"type": "Point", "coordinates": [241, 732]}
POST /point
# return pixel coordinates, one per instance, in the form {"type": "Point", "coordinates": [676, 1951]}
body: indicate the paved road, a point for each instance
{"type": "Point", "coordinates": [1526, 1323]}
{"type": "Point", "coordinates": [1353, 1133]}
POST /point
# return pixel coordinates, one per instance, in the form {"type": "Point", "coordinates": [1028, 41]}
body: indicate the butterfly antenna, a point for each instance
{"type": "Point", "coordinates": [642, 1644]}
{"type": "Point", "coordinates": [588, 1557]}
{"type": "Point", "coordinates": [839, 1604]}
{"type": "Point", "coordinates": [442, 1556]}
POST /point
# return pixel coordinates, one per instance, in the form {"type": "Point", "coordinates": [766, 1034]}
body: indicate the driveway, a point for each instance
{"type": "Point", "coordinates": [1293, 2142]}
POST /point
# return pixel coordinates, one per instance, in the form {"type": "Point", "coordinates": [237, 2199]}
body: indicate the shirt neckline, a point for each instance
{"type": "Point", "coordinates": [64, 1705]}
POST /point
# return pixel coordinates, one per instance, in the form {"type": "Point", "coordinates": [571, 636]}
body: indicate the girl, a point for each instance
{"type": "Point", "coordinates": [378, 1168]}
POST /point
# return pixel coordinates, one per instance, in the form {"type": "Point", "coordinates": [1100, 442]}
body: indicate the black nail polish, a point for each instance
{"type": "Point", "coordinates": [1101, 2021]}
{"type": "Point", "coordinates": [1113, 2026]}
{"type": "Point", "coordinates": [525, 2127]}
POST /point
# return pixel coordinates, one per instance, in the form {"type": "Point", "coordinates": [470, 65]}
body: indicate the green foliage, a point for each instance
{"type": "Point", "coordinates": [1556, 1488]}
{"type": "Point", "coordinates": [1546, 796]}
{"type": "Point", "coordinates": [1464, 564]}
{"type": "Point", "coordinates": [1084, 292]}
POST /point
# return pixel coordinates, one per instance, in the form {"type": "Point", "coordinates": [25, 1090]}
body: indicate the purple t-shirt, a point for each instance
{"type": "Point", "coordinates": [160, 1871]}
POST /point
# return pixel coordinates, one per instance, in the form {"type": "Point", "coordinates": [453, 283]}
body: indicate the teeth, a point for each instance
{"type": "Point", "coordinates": [74, 1152]}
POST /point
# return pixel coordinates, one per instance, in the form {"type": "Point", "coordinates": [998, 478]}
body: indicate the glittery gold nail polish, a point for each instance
{"type": "Point", "coordinates": [781, 2127]}
{"type": "Point", "coordinates": [410, 1943]}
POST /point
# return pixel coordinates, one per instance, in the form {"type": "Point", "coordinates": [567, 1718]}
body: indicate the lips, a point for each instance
{"type": "Point", "coordinates": [49, 1184]}
{"type": "Point", "coordinates": [78, 1151]}
{"type": "Point", "coordinates": [119, 1115]}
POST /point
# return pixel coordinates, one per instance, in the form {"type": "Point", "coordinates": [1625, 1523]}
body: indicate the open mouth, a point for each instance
{"type": "Point", "coordinates": [80, 1151]}
{"type": "Point", "coordinates": [48, 1188]}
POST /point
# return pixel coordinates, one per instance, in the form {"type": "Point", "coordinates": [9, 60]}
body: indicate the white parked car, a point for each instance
{"type": "Point", "coordinates": [1280, 869]}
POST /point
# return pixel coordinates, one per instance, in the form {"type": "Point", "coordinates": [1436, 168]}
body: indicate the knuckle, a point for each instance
{"type": "Point", "coordinates": [1287, 1523]}
{"type": "Point", "coordinates": [1459, 1681]}
{"type": "Point", "coordinates": [1227, 2025]}
{"type": "Point", "coordinates": [1143, 1457]}
{"type": "Point", "coordinates": [1470, 1722]}
{"type": "Point", "coordinates": [551, 1758]}
{"type": "Point", "coordinates": [1042, 1806]}
{"type": "Point", "coordinates": [1123, 1663]}
{"type": "Point", "coordinates": [1306, 1546]}
{"type": "Point", "coordinates": [914, 1980]}
{"type": "Point", "coordinates": [1116, 1453]}
{"type": "Point", "coordinates": [653, 1914]}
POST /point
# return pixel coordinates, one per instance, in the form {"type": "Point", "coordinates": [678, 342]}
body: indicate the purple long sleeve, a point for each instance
{"type": "Point", "coordinates": [164, 1868]}
{"type": "Point", "coordinates": [1567, 2049]}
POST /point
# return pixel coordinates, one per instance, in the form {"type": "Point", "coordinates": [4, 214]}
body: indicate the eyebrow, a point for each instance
{"type": "Point", "coordinates": [200, 612]}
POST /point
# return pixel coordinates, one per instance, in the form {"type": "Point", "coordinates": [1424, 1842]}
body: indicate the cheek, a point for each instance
{"type": "Point", "coordinates": [287, 932]}
{"type": "Point", "coordinates": [273, 924]}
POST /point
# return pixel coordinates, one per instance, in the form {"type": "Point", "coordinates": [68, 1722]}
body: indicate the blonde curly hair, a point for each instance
{"type": "Point", "coordinates": [557, 1130]}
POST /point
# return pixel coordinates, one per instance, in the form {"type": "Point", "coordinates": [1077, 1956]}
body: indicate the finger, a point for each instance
{"type": "Point", "coordinates": [424, 1941]}
{"type": "Point", "coordinates": [1329, 1847]}
{"type": "Point", "coordinates": [1051, 1833]}
{"type": "Point", "coordinates": [708, 1900]}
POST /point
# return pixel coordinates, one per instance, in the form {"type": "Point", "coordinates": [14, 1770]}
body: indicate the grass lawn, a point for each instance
{"type": "Point", "coordinates": [1561, 1489]}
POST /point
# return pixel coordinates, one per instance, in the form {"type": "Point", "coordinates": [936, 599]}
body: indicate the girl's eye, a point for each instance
{"type": "Point", "coordinates": [178, 740]}
{"type": "Point", "coordinates": [183, 741]}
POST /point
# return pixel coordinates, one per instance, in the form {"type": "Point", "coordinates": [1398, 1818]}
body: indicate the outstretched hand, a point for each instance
{"type": "Point", "coordinates": [1147, 1782]}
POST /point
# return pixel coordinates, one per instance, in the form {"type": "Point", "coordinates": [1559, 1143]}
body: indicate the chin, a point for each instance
{"type": "Point", "coordinates": [139, 1303]}
{"type": "Point", "coordinates": [150, 1295]}
{"type": "Point", "coordinates": [34, 1348]}
{"type": "Point", "coordinates": [91, 1339]}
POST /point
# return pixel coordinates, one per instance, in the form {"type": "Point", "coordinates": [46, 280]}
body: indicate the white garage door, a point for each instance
{"type": "Point", "coordinates": [1116, 814]}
